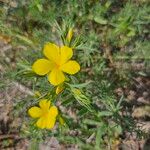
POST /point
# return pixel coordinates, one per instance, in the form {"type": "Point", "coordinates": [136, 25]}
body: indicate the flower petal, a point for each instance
{"type": "Point", "coordinates": [66, 53]}
{"type": "Point", "coordinates": [50, 123]}
{"type": "Point", "coordinates": [69, 35]}
{"type": "Point", "coordinates": [56, 77]}
{"type": "Point", "coordinates": [71, 67]}
{"type": "Point", "coordinates": [41, 123]}
{"type": "Point", "coordinates": [46, 122]}
{"type": "Point", "coordinates": [44, 104]}
{"type": "Point", "coordinates": [42, 66]}
{"type": "Point", "coordinates": [52, 52]}
{"type": "Point", "coordinates": [35, 112]}
{"type": "Point", "coordinates": [53, 111]}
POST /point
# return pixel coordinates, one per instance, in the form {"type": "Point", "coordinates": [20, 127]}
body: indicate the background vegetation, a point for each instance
{"type": "Point", "coordinates": [111, 40]}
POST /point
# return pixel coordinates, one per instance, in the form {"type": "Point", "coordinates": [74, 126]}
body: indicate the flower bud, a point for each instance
{"type": "Point", "coordinates": [69, 35]}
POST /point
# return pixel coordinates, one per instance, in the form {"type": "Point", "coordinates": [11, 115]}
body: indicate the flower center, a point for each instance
{"type": "Point", "coordinates": [45, 112]}
{"type": "Point", "coordinates": [57, 66]}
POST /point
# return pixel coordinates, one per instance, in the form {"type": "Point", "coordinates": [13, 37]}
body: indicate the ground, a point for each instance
{"type": "Point", "coordinates": [137, 97]}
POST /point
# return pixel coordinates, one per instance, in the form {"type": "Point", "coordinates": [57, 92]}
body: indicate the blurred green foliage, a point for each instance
{"type": "Point", "coordinates": [105, 33]}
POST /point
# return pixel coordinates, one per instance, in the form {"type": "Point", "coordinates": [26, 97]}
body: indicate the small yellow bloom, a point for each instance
{"type": "Point", "coordinates": [57, 63]}
{"type": "Point", "coordinates": [46, 114]}
{"type": "Point", "coordinates": [37, 94]}
{"type": "Point", "coordinates": [70, 34]}
{"type": "Point", "coordinates": [59, 89]}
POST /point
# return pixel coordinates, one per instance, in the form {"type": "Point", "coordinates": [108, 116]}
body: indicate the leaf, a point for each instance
{"type": "Point", "coordinates": [107, 4]}
{"type": "Point", "coordinates": [120, 102]}
{"type": "Point", "coordinates": [104, 113]}
{"type": "Point", "coordinates": [81, 98]}
{"type": "Point", "coordinates": [24, 39]}
{"type": "Point", "coordinates": [100, 20]}
{"type": "Point", "coordinates": [40, 8]}
{"type": "Point", "coordinates": [82, 85]}
{"type": "Point", "coordinates": [91, 122]}
{"type": "Point", "coordinates": [66, 102]}
{"type": "Point", "coordinates": [82, 112]}
{"type": "Point", "coordinates": [98, 139]}
{"type": "Point", "coordinates": [100, 132]}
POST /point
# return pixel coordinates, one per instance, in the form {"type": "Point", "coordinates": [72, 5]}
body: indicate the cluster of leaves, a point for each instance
{"type": "Point", "coordinates": [105, 32]}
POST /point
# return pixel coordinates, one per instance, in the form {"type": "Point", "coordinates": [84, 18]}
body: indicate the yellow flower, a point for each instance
{"type": "Point", "coordinates": [57, 63]}
{"type": "Point", "coordinates": [46, 114]}
{"type": "Point", "coordinates": [37, 94]}
{"type": "Point", "coordinates": [59, 89]}
{"type": "Point", "coordinates": [69, 34]}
